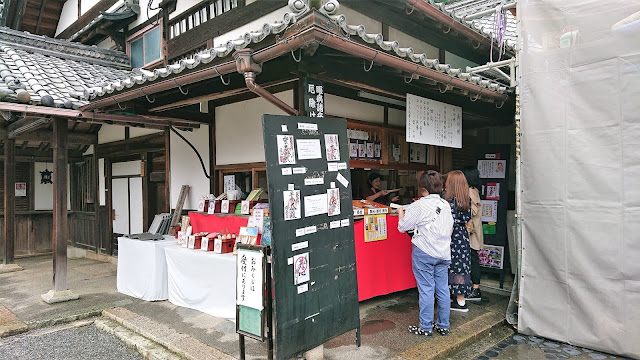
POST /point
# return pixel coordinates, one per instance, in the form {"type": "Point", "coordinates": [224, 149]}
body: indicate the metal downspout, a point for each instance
{"type": "Point", "coordinates": [514, 302]}
{"type": "Point", "coordinates": [250, 80]}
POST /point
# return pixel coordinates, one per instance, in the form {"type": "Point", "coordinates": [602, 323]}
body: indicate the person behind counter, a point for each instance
{"type": "Point", "coordinates": [373, 192]}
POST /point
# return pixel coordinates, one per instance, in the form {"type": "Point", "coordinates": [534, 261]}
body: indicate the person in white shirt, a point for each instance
{"type": "Point", "coordinates": [430, 218]}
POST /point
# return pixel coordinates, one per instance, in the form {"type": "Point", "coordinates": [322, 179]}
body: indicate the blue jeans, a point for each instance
{"type": "Point", "coordinates": [431, 275]}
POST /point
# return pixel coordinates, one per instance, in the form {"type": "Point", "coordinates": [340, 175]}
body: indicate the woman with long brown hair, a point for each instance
{"type": "Point", "coordinates": [457, 193]}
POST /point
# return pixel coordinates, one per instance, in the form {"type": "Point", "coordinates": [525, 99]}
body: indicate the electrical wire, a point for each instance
{"type": "Point", "coordinates": [204, 169]}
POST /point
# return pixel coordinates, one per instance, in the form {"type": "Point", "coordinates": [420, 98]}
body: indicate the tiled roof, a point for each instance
{"type": "Point", "coordinates": [299, 9]}
{"type": "Point", "coordinates": [484, 24]}
{"type": "Point", "coordinates": [46, 67]}
{"type": "Point", "coordinates": [126, 11]}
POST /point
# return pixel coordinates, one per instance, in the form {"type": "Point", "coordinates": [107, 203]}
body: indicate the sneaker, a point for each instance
{"type": "Point", "coordinates": [441, 331]}
{"type": "Point", "coordinates": [475, 295]}
{"type": "Point", "coordinates": [416, 330]}
{"type": "Point", "coordinates": [457, 307]}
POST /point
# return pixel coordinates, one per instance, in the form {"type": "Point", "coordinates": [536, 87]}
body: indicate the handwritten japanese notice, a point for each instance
{"type": "Point", "coordinates": [249, 284]}
{"type": "Point", "coordinates": [434, 123]}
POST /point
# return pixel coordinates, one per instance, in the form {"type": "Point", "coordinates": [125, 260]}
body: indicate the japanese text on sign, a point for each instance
{"type": "Point", "coordinates": [434, 123]}
{"type": "Point", "coordinates": [249, 285]}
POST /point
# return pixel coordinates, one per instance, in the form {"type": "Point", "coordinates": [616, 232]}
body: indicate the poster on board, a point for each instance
{"type": "Point", "coordinates": [492, 169]}
{"type": "Point", "coordinates": [489, 210]}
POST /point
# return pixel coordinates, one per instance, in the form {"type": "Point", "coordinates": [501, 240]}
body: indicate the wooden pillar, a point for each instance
{"type": "Point", "coordinates": [146, 163]}
{"type": "Point", "coordinates": [109, 203]}
{"type": "Point", "coordinates": [167, 169]}
{"type": "Point", "coordinates": [9, 201]}
{"type": "Point", "coordinates": [60, 220]}
{"type": "Point", "coordinates": [212, 149]}
{"type": "Point", "coordinates": [96, 197]}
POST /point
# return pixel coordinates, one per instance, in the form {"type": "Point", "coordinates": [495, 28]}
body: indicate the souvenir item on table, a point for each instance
{"type": "Point", "coordinates": [185, 223]}
{"type": "Point", "coordinates": [182, 238]}
{"type": "Point", "coordinates": [266, 232]}
{"type": "Point", "coordinates": [208, 241]}
{"type": "Point", "coordinates": [248, 235]}
{"type": "Point", "coordinates": [370, 207]}
{"type": "Point", "coordinates": [198, 239]}
{"type": "Point", "coordinates": [192, 242]}
{"type": "Point", "coordinates": [255, 194]}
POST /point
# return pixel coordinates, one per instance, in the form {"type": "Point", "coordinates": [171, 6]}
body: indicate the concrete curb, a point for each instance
{"type": "Point", "coordinates": [9, 323]}
{"type": "Point", "coordinates": [147, 348]}
{"type": "Point", "coordinates": [37, 324]}
{"type": "Point", "coordinates": [440, 347]}
{"type": "Point", "coordinates": [181, 344]}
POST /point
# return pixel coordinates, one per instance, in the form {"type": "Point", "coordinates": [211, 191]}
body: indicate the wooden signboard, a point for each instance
{"type": "Point", "coordinates": [313, 247]}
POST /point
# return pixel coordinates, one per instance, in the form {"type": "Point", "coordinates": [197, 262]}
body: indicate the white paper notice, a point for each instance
{"type": "Point", "coordinates": [290, 261]}
{"type": "Point", "coordinates": [433, 122]}
{"type": "Point", "coordinates": [299, 170]}
{"type": "Point", "coordinates": [291, 204]}
{"type": "Point", "coordinates": [286, 150]}
{"type": "Point", "coordinates": [489, 211]}
{"type": "Point", "coordinates": [300, 245]}
{"type": "Point", "coordinates": [309, 149]}
{"type": "Point", "coordinates": [333, 205]}
{"type": "Point", "coordinates": [334, 224]}
{"type": "Point", "coordinates": [224, 207]}
{"type": "Point", "coordinates": [315, 205]}
{"type": "Point", "coordinates": [301, 268]}
{"type": "Point", "coordinates": [342, 166]}
{"type": "Point", "coordinates": [303, 288]}
{"type": "Point", "coordinates": [258, 215]}
{"type": "Point", "coordinates": [310, 229]}
{"type": "Point", "coordinates": [212, 207]}
{"type": "Point", "coordinates": [307, 126]}
{"type": "Point", "coordinates": [284, 128]}
{"type": "Point", "coordinates": [229, 182]}
{"type": "Point", "coordinates": [492, 169]}
{"type": "Point", "coordinates": [314, 181]}
{"type": "Point", "coordinates": [291, 187]}
{"type": "Point", "coordinates": [332, 147]}
{"type": "Point", "coordinates": [332, 166]}
{"type": "Point", "coordinates": [244, 208]}
{"type": "Point", "coordinates": [342, 180]}
{"type": "Point", "coordinates": [344, 222]}
{"type": "Point", "coordinates": [286, 171]}
{"type": "Point", "coordinates": [249, 284]}
{"type": "Point", "coordinates": [299, 232]}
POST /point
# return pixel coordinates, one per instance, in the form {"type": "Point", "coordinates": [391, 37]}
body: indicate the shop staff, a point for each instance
{"type": "Point", "coordinates": [373, 192]}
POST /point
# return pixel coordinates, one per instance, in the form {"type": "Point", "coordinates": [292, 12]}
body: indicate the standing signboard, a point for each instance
{"type": "Point", "coordinates": [313, 247]}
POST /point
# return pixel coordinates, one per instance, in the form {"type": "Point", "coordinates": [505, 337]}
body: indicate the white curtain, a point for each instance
{"type": "Point", "coordinates": [580, 97]}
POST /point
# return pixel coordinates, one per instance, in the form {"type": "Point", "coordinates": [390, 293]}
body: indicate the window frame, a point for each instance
{"type": "Point", "coordinates": [140, 35]}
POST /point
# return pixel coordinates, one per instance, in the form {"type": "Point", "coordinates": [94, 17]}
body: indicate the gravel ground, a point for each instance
{"type": "Point", "coordinates": [68, 342]}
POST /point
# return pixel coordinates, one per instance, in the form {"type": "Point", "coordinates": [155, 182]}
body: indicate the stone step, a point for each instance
{"type": "Point", "coordinates": [179, 343]}
{"type": "Point", "coordinates": [147, 348]}
{"type": "Point", "coordinates": [441, 347]}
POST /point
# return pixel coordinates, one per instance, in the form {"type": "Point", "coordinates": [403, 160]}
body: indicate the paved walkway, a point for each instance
{"type": "Point", "coordinates": [195, 335]}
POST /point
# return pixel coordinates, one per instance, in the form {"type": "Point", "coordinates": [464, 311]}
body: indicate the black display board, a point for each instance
{"type": "Point", "coordinates": [315, 298]}
{"type": "Point", "coordinates": [486, 154]}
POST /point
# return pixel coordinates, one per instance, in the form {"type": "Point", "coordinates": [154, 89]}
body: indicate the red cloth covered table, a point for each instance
{"type": "Point", "coordinates": [214, 223]}
{"type": "Point", "coordinates": [383, 266]}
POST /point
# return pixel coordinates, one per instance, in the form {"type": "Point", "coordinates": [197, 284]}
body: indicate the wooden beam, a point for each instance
{"type": "Point", "coordinates": [154, 121]}
{"type": "Point", "coordinates": [86, 18]}
{"type": "Point", "coordinates": [9, 201]}
{"type": "Point", "coordinates": [40, 15]}
{"type": "Point", "coordinates": [109, 202]}
{"type": "Point", "coordinates": [25, 125]}
{"type": "Point", "coordinates": [167, 169]}
{"type": "Point", "coordinates": [46, 135]}
{"type": "Point", "coordinates": [60, 221]}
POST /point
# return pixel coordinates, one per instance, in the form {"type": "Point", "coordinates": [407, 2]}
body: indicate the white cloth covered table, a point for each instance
{"type": "Point", "coordinates": [142, 268]}
{"type": "Point", "coordinates": [202, 280]}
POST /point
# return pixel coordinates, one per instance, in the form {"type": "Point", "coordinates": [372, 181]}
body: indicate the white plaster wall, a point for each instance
{"type": "Point", "coordinates": [182, 6]}
{"type": "Point", "coordinates": [107, 44]}
{"type": "Point", "coordinates": [239, 129]}
{"type": "Point", "coordinates": [43, 193]}
{"type": "Point", "coordinates": [109, 133]}
{"type": "Point", "coordinates": [355, 18]}
{"type": "Point", "coordinates": [418, 46]}
{"type": "Point", "coordinates": [277, 15]}
{"type": "Point", "coordinates": [89, 150]}
{"type": "Point", "coordinates": [143, 13]}
{"type": "Point", "coordinates": [397, 117]}
{"type": "Point", "coordinates": [457, 62]}
{"type": "Point", "coordinates": [85, 5]}
{"type": "Point", "coordinates": [247, 2]}
{"type": "Point", "coordinates": [101, 183]}
{"type": "Point", "coordinates": [126, 168]}
{"type": "Point", "coordinates": [68, 15]}
{"type": "Point", "coordinates": [186, 168]}
{"type": "Point", "coordinates": [352, 109]}
{"type": "Point", "coordinates": [136, 131]}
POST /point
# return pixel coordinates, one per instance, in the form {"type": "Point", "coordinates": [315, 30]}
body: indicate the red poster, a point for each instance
{"type": "Point", "coordinates": [493, 191]}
